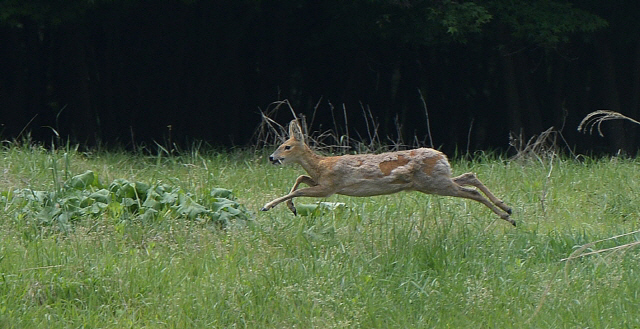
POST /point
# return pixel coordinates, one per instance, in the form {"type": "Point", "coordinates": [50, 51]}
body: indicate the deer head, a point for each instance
{"type": "Point", "coordinates": [292, 149]}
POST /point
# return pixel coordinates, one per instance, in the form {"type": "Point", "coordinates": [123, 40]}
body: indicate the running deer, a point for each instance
{"type": "Point", "coordinates": [424, 169]}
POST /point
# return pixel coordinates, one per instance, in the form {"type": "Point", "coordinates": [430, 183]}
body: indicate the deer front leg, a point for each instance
{"type": "Point", "coordinates": [314, 191]}
{"type": "Point", "coordinates": [301, 179]}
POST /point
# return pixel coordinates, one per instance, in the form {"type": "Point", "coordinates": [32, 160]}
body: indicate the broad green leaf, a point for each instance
{"type": "Point", "coordinates": [319, 208]}
{"type": "Point", "coordinates": [128, 202]}
{"type": "Point", "coordinates": [102, 196]}
{"type": "Point", "coordinates": [217, 192]}
{"type": "Point", "coordinates": [141, 189]}
{"type": "Point", "coordinates": [81, 181]}
{"type": "Point", "coordinates": [97, 208]}
{"type": "Point", "coordinates": [149, 215]}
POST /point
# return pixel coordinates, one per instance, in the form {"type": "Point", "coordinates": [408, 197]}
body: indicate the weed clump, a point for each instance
{"type": "Point", "coordinates": [84, 195]}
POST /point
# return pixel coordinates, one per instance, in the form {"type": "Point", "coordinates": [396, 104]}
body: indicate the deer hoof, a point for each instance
{"type": "Point", "coordinates": [292, 208]}
{"type": "Point", "coordinates": [508, 219]}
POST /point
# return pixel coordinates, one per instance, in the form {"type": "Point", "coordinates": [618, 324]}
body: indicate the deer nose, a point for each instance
{"type": "Point", "coordinates": [271, 158]}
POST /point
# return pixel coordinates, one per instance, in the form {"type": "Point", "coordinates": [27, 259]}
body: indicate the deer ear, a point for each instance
{"type": "Point", "coordinates": [295, 131]}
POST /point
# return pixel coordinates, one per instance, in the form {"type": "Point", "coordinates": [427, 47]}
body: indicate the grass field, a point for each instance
{"type": "Point", "coordinates": [407, 260]}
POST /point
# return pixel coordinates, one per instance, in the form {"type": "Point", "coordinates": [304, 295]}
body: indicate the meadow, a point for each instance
{"type": "Point", "coordinates": [407, 260]}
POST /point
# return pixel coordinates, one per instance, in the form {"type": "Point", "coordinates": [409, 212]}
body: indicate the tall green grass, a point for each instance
{"type": "Point", "coordinates": [406, 260]}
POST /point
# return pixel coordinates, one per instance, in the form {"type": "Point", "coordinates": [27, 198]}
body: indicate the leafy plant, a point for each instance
{"type": "Point", "coordinates": [83, 195]}
{"type": "Point", "coordinates": [320, 208]}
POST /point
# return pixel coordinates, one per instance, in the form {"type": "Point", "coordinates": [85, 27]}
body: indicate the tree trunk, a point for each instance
{"type": "Point", "coordinates": [512, 99]}
{"type": "Point", "coordinates": [634, 104]}
{"type": "Point", "coordinates": [530, 103]}
{"type": "Point", "coordinates": [610, 95]}
{"type": "Point", "coordinates": [77, 95]}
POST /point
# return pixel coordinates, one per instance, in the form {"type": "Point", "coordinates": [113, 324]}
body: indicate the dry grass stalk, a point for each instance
{"type": "Point", "coordinates": [335, 140]}
{"type": "Point", "coordinates": [546, 146]}
{"type": "Point", "coordinates": [426, 112]}
{"type": "Point", "coordinates": [596, 118]}
{"type": "Point", "coordinates": [580, 251]}
{"type": "Point", "coordinates": [604, 250]}
{"type": "Point", "coordinates": [538, 147]}
{"type": "Point", "coordinates": [271, 133]}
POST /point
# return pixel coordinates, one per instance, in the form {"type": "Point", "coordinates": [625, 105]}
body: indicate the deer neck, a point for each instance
{"type": "Point", "coordinates": [310, 162]}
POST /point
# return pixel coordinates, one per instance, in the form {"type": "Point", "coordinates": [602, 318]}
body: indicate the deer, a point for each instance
{"type": "Point", "coordinates": [423, 169]}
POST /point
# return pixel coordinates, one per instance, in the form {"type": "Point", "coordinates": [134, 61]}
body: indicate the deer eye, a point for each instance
{"type": "Point", "coordinates": [288, 147]}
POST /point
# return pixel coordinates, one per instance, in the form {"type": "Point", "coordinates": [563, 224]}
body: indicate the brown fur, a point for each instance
{"type": "Point", "coordinates": [387, 166]}
{"type": "Point", "coordinates": [430, 164]}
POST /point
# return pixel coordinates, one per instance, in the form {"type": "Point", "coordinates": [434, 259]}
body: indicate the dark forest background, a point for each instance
{"type": "Point", "coordinates": [120, 72]}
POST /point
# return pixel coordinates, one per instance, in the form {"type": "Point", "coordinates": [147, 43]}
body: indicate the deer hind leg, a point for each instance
{"type": "Point", "coordinates": [301, 179]}
{"type": "Point", "coordinates": [472, 180]}
{"type": "Point", "coordinates": [469, 193]}
{"type": "Point", "coordinates": [454, 187]}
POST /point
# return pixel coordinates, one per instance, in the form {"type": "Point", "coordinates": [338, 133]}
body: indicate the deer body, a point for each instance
{"type": "Point", "coordinates": [424, 169]}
